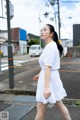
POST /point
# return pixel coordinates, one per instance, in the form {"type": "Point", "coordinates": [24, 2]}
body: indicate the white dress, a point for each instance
{"type": "Point", "coordinates": [50, 57]}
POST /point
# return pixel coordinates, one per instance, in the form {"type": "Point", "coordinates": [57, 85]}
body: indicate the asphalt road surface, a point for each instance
{"type": "Point", "coordinates": [70, 76]}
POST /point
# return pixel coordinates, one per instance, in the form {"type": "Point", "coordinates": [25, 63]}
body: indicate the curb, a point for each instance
{"type": "Point", "coordinates": [18, 92]}
{"type": "Point", "coordinates": [68, 101]}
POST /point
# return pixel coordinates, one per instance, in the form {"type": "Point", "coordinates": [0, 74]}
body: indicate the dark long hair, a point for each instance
{"type": "Point", "coordinates": [55, 38]}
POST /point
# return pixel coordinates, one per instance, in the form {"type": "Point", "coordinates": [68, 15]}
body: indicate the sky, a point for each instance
{"type": "Point", "coordinates": [29, 15]}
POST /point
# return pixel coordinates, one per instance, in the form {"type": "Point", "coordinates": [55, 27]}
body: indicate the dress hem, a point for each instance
{"type": "Point", "coordinates": [45, 102]}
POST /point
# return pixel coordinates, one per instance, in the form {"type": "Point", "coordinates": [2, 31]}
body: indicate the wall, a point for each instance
{"type": "Point", "coordinates": [73, 52]}
{"type": "Point", "coordinates": [4, 34]}
{"type": "Point", "coordinates": [64, 51]}
{"type": "Point", "coordinates": [15, 34]}
{"type": "Point", "coordinates": [4, 48]}
{"type": "Point", "coordinates": [22, 47]}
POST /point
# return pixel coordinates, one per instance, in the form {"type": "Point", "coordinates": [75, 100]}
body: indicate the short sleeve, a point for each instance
{"type": "Point", "coordinates": [49, 56]}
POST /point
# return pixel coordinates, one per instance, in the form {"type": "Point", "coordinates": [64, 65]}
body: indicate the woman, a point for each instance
{"type": "Point", "coordinates": [50, 88]}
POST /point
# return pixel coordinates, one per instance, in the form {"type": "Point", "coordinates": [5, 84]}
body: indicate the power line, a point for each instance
{"type": "Point", "coordinates": [64, 27]}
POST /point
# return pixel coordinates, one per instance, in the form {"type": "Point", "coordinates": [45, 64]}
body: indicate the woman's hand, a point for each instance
{"type": "Point", "coordinates": [36, 77]}
{"type": "Point", "coordinates": [47, 93]}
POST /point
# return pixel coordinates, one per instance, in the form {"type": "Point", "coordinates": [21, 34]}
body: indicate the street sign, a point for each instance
{"type": "Point", "coordinates": [3, 11]}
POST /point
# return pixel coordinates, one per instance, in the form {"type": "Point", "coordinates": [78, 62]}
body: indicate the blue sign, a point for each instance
{"type": "Point", "coordinates": [22, 34]}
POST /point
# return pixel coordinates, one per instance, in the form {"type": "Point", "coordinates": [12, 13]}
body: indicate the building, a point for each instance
{"type": "Point", "coordinates": [18, 39]}
{"type": "Point", "coordinates": [76, 34]}
{"type": "Point", "coordinates": [3, 42]}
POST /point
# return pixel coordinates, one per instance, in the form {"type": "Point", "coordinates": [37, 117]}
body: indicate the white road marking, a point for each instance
{"type": "Point", "coordinates": [4, 66]}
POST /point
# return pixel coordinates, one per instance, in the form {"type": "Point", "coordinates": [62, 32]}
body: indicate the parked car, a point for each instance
{"type": "Point", "coordinates": [35, 50]}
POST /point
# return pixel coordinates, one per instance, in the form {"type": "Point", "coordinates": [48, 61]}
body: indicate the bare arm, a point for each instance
{"type": "Point", "coordinates": [47, 91]}
{"type": "Point", "coordinates": [47, 76]}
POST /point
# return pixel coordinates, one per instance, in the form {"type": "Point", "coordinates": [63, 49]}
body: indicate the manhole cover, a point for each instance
{"type": "Point", "coordinates": [16, 112]}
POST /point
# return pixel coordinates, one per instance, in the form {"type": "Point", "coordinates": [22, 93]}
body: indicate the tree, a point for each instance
{"type": "Point", "coordinates": [35, 40]}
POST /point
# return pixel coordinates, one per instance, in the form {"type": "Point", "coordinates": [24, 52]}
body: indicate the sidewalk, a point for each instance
{"type": "Point", "coordinates": [22, 107]}
{"type": "Point", "coordinates": [19, 57]}
{"type": "Point", "coordinates": [54, 114]}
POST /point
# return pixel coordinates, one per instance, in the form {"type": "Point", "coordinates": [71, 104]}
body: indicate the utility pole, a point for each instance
{"type": "Point", "coordinates": [0, 58]}
{"type": "Point", "coordinates": [59, 23]}
{"type": "Point", "coordinates": [39, 28]}
{"type": "Point", "coordinates": [10, 53]}
{"type": "Point", "coordinates": [53, 2]}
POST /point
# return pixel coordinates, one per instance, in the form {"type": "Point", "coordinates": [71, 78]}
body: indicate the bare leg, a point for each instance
{"type": "Point", "coordinates": [63, 109]}
{"type": "Point", "coordinates": [41, 108]}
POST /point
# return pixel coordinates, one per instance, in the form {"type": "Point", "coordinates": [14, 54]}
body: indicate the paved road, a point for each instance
{"type": "Point", "coordinates": [17, 61]}
{"type": "Point", "coordinates": [24, 74]}
{"type": "Point", "coordinates": [70, 75]}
